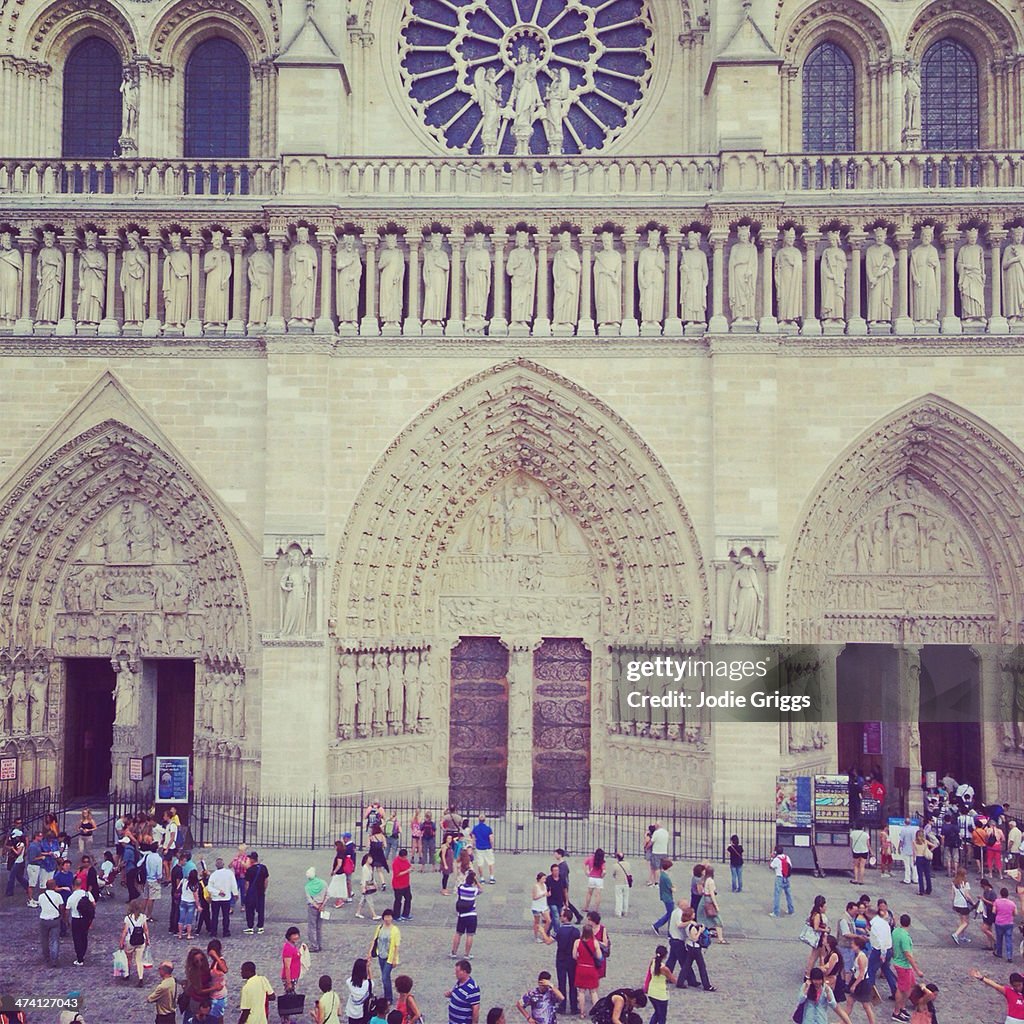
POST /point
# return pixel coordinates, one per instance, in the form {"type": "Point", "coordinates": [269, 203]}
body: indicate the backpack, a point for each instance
{"type": "Point", "coordinates": [991, 839]}
{"type": "Point", "coordinates": [785, 865]}
{"type": "Point", "coordinates": [427, 830]}
{"type": "Point", "coordinates": [140, 873]}
{"type": "Point", "coordinates": [137, 936]}
{"type": "Point", "coordinates": [704, 939]}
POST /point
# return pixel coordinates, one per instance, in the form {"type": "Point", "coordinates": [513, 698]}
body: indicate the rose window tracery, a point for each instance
{"type": "Point", "coordinates": [526, 76]}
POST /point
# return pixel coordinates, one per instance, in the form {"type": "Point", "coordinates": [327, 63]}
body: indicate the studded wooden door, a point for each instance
{"type": "Point", "coordinates": [478, 753]}
{"type": "Point", "coordinates": [561, 726]}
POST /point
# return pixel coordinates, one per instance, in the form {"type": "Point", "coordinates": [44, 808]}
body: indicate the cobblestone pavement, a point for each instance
{"type": "Point", "coordinates": [757, 974]}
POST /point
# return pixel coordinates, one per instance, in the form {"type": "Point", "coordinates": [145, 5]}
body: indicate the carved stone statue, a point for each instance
{"type": "Point", "coordinates": [126, 697]}
{"type": "Point", "coordinates": [238, 707]}
{"type": "Point", "coordinates": [487, 94]}
{"type": "Point", "coordinates": [50, 278]}
{"type": "Point", "coordinates": [742, 275]}
{"type": "Point", "coordinates": [134, 279]}
{"type": "Point", "coordinates": [556, 107]}
{"type": "Point", "coordinates": [349, 270]}
{"type": "Point", "coordinates": [217, 267]}
{"type": "Point", "coordinates": [11, 269]}
{"type": "Point", "coordinates": [302, 266]}
{"type": "Point", "coordinates": [789, 276]}
{"type": "Point", "coordinates": [608, 282]}
{"type": "Point", "coordinates": [879, 266]}
{"type": "Point", "coordinates": [912, 101]}
{"type": "Point", "coordinates": [38, 684]}
{"type": "Point", "coordinates": [746, 600]}
{"type": "Point", "coordinates": [177, 278]}
{"type": "Point", "coordinates": [833, 280]}
{"type": "Point", "coordinates": [525, 102]}
{"type": "Point", "coordinates": [346, 693]}
{"type": "Point", "coordinates": [970, 268]}
{"type": "Point", "coordinates": [650, 275]}
{"type": "Point", "coordinates": [295, 594]}
{"type": "Point", "coordinates": [396, 694]}
{"type": "Point", "coordinates": [92, 280]}
{"type": "Point", "coordinates": [415, 666]}
{"type": "Point", "coordinates": [129, 110]}
{"type": "Point", "coordinates": [260, 274]}
{"type": "Point", "coordinates": [1013, 275]}
{"type": "Point", "coordinates": [693, 281]}
{"type": "Point", "coordinates": [392, 281]}
{"type": "Point", "coordinates": [478, 283]}
{"type": "Point", "coordinates": [436, 268]}
{"type": "Point", "coordinates": [924, 278]}
{"type": "Point", "coordinates": [521, 268]}
{"type": "Point", "coordinates": [379, 692]}
{"type": "Point", "coordinates": [566, 269]}
{"type": "Point", "coordinates": [19, 702]}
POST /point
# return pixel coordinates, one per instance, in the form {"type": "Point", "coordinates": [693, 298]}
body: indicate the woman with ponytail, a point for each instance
{"type": "Point", "coordinates": [659, 977]}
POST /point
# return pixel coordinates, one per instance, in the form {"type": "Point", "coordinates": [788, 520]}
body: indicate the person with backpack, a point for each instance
{"type": "Point", "coordinates": [783, 867]}
{"type": "Point", "coordinates": [257, 881]}
{"type": "Point", "coordinates": [696, 938]}
{"type": "Point", "coordinates": [393, 836]}
{"type": "Point", "coordinates": [428, 842]}
{"type": "Point", "coordinates": [134, 938]}
{"type": "Point", "coordinates": [81, 908]}
{"type": "Point", "coordinates": [617, 1007]}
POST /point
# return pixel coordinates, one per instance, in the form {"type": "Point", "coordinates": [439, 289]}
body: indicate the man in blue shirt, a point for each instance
{"type": "Point", "coordinates": [464, 998]}
{"type": "Point", "coordinates": [34, 858]}
{"type": "Point", "coordinates": [483, 840]}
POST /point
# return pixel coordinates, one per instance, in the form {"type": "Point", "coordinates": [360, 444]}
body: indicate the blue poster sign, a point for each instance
{"type": "Point", "coordinates": [172, 780]}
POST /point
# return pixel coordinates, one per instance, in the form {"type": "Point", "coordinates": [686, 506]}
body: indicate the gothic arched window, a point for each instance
{"type": "Point", "coordinates": [949, 96]}
{"type": "Point", "coordinates": [217, 101]}
{"type": "Point", "coordinates": [92, 101]}
{"type": "Point", "coordinates": [828, 100]}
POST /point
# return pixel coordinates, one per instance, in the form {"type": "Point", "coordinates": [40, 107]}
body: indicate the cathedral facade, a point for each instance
{"type": "Point", "coordinates": [380, 376]}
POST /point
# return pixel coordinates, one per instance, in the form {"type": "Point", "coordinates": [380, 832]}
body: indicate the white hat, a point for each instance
{"type": "Point", "coordinates": [311, 872]}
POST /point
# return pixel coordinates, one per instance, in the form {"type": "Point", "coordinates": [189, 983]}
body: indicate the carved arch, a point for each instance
{"type": "Point", "coordinates": [57, 28]}
{"type": "Point", "coordinates": [981, 25]}
{"type": "Point", "coordinates": [189, 22]}
{"type": "Point", "coordinates": [969, 466]}
{"type": "Point", "coordinates": [519, 417]}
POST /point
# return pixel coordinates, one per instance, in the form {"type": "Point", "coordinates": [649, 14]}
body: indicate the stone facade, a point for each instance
{"type": "Point", "coordinates": [307, 419]}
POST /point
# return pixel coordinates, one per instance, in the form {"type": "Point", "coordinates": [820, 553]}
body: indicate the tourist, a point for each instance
{"type": "Point", "coordinates": [782, 866]}
{"type": "Point", "coordinates": [240, 865]}
{"type": "Point", "coordinates": [255, 994]}
{"type": "Point", "coordinates": [34, 857]}
{"type": "Point", "coordinates": [988, 911]}
{"type": "Point", "coordinates": [428, 842]}
{"type": "Point", "coordinates": [223, 889]}
{"type": "Point", "coordinates": [589, 958]}
{"type": "Point", "coordinates": [483, 841]}
{"type": "Point", "coordinates": [291, 959]}
{"type": "Point", "coordinates": [595, 869]}
{"type": "Point", "coordinates": [831, 963]}
{"type": "Point", "coordinates": [338, 888]}
{"type": "Point", "coordinates": [134, 937]}
{"type": "Point", "coordinates": [994, 840]}
{"type": "Point", "coordinates": [539, 909]}
{"type": "Point", "coordinates": [218, 979]}
{"type": "Point", "coordinates": [694, 951]}
{"type": "Point", "coordinates": [367, 887]}
{"type": "Point", "coordinates": [392, 835]}
{"type": "Point", "coordinates": [328, 1007]}
{"type": "Point", "coordinates": [162, 997]}
{"type": "Point", "coordinates": [465, 909]}
{"type": "Point", "coordinates": [416, 835]}
{"type": "Point", "coordinates": [1005, 910]}
{"type": "Point", "coordinates": [199, 981]}
{"type": "Point", "coordinates": [735, 851]}
{"type": "Point", "coordinates": [384, 946]}
{"type": "Point", "coordinates": [565, 964]}
{"type": "Point", "coordinates": [464, 997]}
{"type": "Point", "coordinates": [558, 897]}
{"type": "Point", "coordinates": [540, 1004]}
{"type": "Point", "coordinates": [51, 917]}
{"type": "Point", "coordinates": [178, 877]}
{"type": "Point", "coordinates": [86, 830]}
{"type": "Point", "coordinates": [105, 875]}
{"type": "Point", "coordinates": [1013, 993]}
{"type": "Point", "coordinates": [817, 922]}
{"type": "Point", "coordinates": [602, 938]}
{"type": "Point", "coordinates": [563, 870]}
{"type": "Point", "coordinates": [847, 928]}
{"type": "Point", "coordinates": [963, 906]}
{"type": "Point", "coordinates": [659, 977]}
{"type": "Point", "coordinates": [885, 854]}
{"type": "Point", "coordinates": [257, 881]}
{"type": "Point", "coordinates": [666, 893]}
{"type": "Point", "coordinates": [380, 1010]}
{"type": "Point", "coordinates": [1014, 838]}
{"type": "Point", "coordinates": [316, 900]}
{"type": "Point", "coordinates": [696, 886]}
{"type": "Point", "coordinates": [64, 878]}
{"type": "Point", "coordinates": [446, 856]}
{"type": "Point", "coordinates": [378, 860]}
{"type": "Point", "coordinates": [622, 877]}
{"type": "Point", "coordinates": [880, 953]}
{"type": "Point", "coordinates": [360, 987]}
{"type": "Point", "coordinates": [908, 833]}
{"type": "Point", "coordinates": [923, 852]}
{"type": "Point", "coordinates": [710, 907]}
{"type": "Point", "coordinates": [16, 847]}
{"type": "Point", "coordinates": [81, 908]}
{"type": "Point", "coordinates": [860, 849]}
{"type": "Point", "coordinates": [187, 911]}
{"type": "Point", "coordinates": [905, 964]}
{"type": "Point", "coordinates": [815, 999]}
{"type": "Point", "coordinates": [349, 867]}
{"type": "Point", "coordinates": [950, 834]}
{"type": "Point", "coordinates": [153, 867]}
{"type": "Point", "coordinates": [860, 989]}
{"type": "Point", "coordinates": [658, 850]}
{"type": "Point", "coordinates": [401, 885]}
{"type": "Point", "coordinates": [406, 1005]}
{"type": "Point", "coordinates": [617, 1007]}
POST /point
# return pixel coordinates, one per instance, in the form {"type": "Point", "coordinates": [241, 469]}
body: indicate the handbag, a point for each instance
{"type": "Point", "coordinates": [798, 1013]}
{"type": "Point", "coordinates": [810, 936]}
{"type": "Point", "coordinates": [710, 908]}
{"type": "Point", "coordinates": [369, 890]}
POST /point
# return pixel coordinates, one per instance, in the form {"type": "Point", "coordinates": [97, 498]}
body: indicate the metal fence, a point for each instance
{"type": "Point", "coordinates": [30, 805]}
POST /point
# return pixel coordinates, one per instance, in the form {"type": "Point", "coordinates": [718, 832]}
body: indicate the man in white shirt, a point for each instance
{"type": "Point", "coordinates": [1013, 839]}
{"type": "Point", "coordinates": [677, 938]}
{"type": "Point", "coordinates": [782, 866]}
{"type": "Point", "coordinates": [906, 851]}
{"type": "Point", "coordinates": [51, 911]}
{"type": "Point", "coordinates": [222, 887]}
{"type": "Point", "coordinates": [82, 909]}
{"type": "Point", "coordinates": [880, 958]}
{"type": "Point", "coordinates": [659, 850]}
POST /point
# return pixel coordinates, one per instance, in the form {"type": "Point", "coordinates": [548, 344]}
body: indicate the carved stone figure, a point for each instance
{"type": "Point", "coordinates": [906, 553]}
{"type": "Point", "coordinates": [924, 278]}
{"type": "Point", "coordinates": [487, 94]}
{"type": "Point", "coordinates": [302, 266]}
{"type": "Point", "coordinates": [912, 101]}
{"type": "Point", "coordinates": [129, 110]}
{"type": "Point", "coordinates": [346, 693]}
{"type": "Point", "coordinates": [650, 275]}
{"type": "Point", "coordinates": [693, 281]}
{"type": "Point", "coordinates": [349, 270]}
{"type": "Point", "coordinates": [238, 707]}
{"type": "Point", "coordinates": [217, 267]}
{"type": "Point", "coordinates": [11, 269]}
{"type": "Point", "coordinates": [608, 282]}
{"type": "Point", "coordinates": [478, 283]}
{"type": "Point", "coordinates": [396, 694]}
{"type": "Point", "coordinates": [177, 279]}
{"type": "Point", "coordinates": [92, 280]}
{"type": "Point", "coordinates": [525, 102]}
{"type": "Point", "coordinates": [19, 702]}
{"type": "Point", "coordinates": [833, 279]}
{"type": "Point", "coordinates": [521, 268]}
{"type": "Point", "coordinates": [260, 274]}
{"type": "Point", "coordinates": [134, 279]}
{"type": "Point", "coordinates": [415, 681]}
{"type": "Point", "coordinates": [392, 281]}
{"type": "Point", "coordinates": [38, 684]}
{"type": "Point", "coordinates": [879, 266]}
{"type": "Point", "coordinates": [1013, 275]}
{"type": "Point", "coordinates": [556, 107]}
{"type": "Point", "coordinates": [745, 600]}
{"type": "Point", "coordinates": [126, 697]}
{"type": "Point", "coordinates": [566, 269]}
{"type": "Point", "coordinates": [50, 278]}
{"type": "Point", "coordinates": [436, 268]}
{"type": "Point", "coordinates": [295, 594]}
{"type": "Point", "coordinates": [379, 692]}
{"type": "Point", "coordinates": [742, 275]}
{"type": "Point", "coordinates": [970, 268]}
{"type": "Point", "coordinates": [789, 276]}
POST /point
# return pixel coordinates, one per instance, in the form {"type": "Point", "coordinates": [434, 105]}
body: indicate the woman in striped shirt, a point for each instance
{"type": "Point", "coordinates": [465, 908]}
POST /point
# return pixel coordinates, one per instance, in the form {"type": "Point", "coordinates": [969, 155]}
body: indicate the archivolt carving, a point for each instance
{"type": "Point", "coordinates": [519, 418]}
{"type": "Point", "coordinates": [112, 486]}
{"type": "Point", "coordinates": [244, 24]}
{"type": "Point", "coordinates": [75, 14]}
{"type": "Point", "coordinates": [914, 535]}
{"type": "Point", "coordinates": [854, 25]}
{"type": "Point", "coordinates": [980, 23]}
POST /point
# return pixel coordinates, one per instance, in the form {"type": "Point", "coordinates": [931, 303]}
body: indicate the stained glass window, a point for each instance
{"type": "Point", "coordinates": [217, 101]}
{"type": "Point", "coordinates": [949, 96]}
{"type": "Point", "coordinates": [92, 101]}
{"type": "Point", "coordinates": [828, 83]}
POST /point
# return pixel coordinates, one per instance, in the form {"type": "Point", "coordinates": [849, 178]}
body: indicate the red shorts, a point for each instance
{"type": "Point", "coordinates": [904, 978]}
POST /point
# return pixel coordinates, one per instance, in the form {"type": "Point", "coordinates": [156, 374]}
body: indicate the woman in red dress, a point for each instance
{"type": "Point", "coordinates": [589, 959]}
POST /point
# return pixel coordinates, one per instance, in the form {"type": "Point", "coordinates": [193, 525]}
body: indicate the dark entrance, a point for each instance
{"type": "Point", "coordinates": [175, 707]}
{"type": "Point", "coordinates": [951, 715]}
{"type": "Point", "coordinates": [478, 752]}
{"type": "Point", "coordinates": [88, 727]}
{"type": "Point", "coordinates": [561, 726]}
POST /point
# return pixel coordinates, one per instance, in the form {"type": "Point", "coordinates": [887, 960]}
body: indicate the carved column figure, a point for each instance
{"type": "Point", "coordinates": [92, 280]}
{"type": "Point", "coordinates": [260, 274]}
{"type": "Point", "coordinates": [349, 270]}
{"type": "Point", "coordinates": [11, 269]}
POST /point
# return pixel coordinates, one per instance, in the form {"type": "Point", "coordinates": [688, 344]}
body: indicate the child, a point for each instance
{"type": "Point", "coordinates": [380, 1011]}
{"type": "Point", "coordinates": [885, 854]}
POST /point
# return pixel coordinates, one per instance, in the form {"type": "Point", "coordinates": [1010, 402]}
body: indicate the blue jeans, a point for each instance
{"type": "Point", "coordinates": [877, 962]}
{"type": "Point", "coordinates": [660, 1007]}
{"type": "Point", "coordinates": [391, 847]}
{"type": "Point", "coordinates": [385, 977]}
{"type": "Point", "coordinates": [553, 911]}
{"type": "Point", "coordinates": [49, 937]}
{"type": "Point", "coordinates": [16, 874]}
{"type": "Point", "coordinates": [781, 886]}
{"type": "Point", "coordinates": [924, 876]}
{"type": "Point", "coordinates": [669, 907]}
{"type": "Point", "coordinates": [737, 878]}
{"type": "Point", "coordinates": [1004, 937]}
